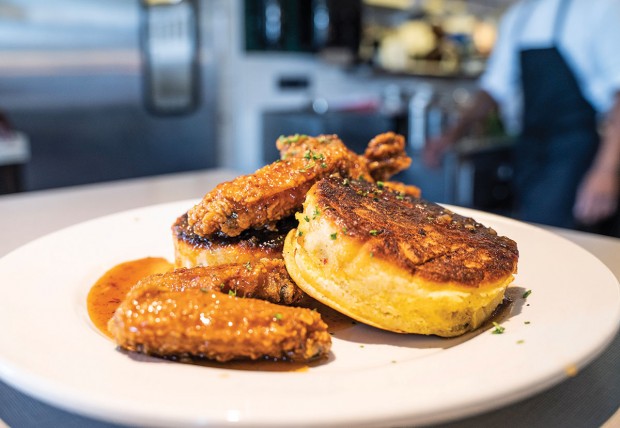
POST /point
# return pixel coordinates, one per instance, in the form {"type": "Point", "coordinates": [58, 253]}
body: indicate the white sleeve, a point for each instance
{"type": "Point", "coordinates": [501, 74]}
{"type": "Point", "coordinates": [605, 45]}
{"type": "Point", "coordinates": [501, 78]}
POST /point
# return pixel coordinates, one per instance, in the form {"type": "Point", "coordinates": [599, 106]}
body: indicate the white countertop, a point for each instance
{"type": "Point", "coordinates": [27, 216]}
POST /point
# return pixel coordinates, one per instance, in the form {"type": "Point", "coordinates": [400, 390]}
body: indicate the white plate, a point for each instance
{"type": "Point", "coordinates": [50, 349]}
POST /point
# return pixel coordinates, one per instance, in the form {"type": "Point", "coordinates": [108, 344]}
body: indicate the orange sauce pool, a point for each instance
{"type": "Point", "coordinates": [106, 295]}
{"type": "Point", "coordinates": [109, 290]}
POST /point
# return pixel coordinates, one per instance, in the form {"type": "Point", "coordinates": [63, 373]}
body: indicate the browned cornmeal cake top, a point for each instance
{"type": "Point", "coordinates": [429, 241]}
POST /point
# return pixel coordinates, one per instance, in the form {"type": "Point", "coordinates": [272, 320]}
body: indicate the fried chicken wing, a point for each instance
{"type": "Point", "coordinates": [386, 156]}
{"type": "Point", "coordinates": [276, 190]}
{"type": "Point", "coordinates": [266, 279]}
{"type": "Point", "coordinates": [156, 320]}
{"type": "Point", "coordinates": [279, 189]}
{"type": "Point", "coordinates": [403, 189]}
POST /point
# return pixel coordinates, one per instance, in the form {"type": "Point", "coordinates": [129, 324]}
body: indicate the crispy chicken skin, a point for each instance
{"type": "Point", "coordinates": [403, 189]}
{"type": "Point", "coordinates": [279, 189]}
{"type": "Point", "coordinates": [200, 312]}
{"type": "Point", "coordinates": [266, 279]}
{"type": "Point", "coordinates": [386, 156]}
{"type": "Point", "coordinates": [156, 320]}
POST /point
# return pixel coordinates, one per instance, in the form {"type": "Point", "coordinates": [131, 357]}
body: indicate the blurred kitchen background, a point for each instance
{"type": "Point", "coordinates": [98, 90]}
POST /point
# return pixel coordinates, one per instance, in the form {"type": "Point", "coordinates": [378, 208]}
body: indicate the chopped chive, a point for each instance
{"type": "Point", "coordinates": [498, 329]}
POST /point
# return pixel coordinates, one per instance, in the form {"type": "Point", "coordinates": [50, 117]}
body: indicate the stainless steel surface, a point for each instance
{"type": "Point", "coordinates": [170, 53]}
{"type": "Point", "coordinates": [72, 78]}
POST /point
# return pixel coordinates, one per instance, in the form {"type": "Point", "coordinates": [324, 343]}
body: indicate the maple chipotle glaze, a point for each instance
{"type": "Point", "coordinates": [106, 294]}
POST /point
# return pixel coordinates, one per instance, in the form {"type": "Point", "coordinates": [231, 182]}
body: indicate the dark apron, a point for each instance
{"type": "Point", "coordinates": [559, 137]}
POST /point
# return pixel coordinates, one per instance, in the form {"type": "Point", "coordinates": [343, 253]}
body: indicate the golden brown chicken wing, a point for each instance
{"type": "Point", "coordinates": [198, 312]}
{"type": "Point", "coordinates": [279, 189]}
{"type": "Point", "coordinates": [266, 279]}
{"type": "Point", "coordinates": [203, 323]}
{"type": "Point", "coordinates": [386, 156]}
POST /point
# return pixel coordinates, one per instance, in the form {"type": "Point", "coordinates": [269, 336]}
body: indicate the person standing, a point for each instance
{"type": "Point", "coordinates": [554, 74]}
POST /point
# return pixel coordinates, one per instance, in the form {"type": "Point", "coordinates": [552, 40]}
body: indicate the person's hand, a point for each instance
{"type": "Point", "coordinates": [434, 150]}
{"type": "Point", "coordinates": [597, 196]}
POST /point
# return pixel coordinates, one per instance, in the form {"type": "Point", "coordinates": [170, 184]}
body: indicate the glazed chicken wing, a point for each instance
{"type": "Point", "coordinates": [184, 314]}
{"type": "Point", "coordinates": [279, 189]}
{"type": "Point", "coordinates": [209, 324]}
{"type": "Point", "coordinates": [386, 156]}
{"type": "Point", "coordinates": [266, 279]}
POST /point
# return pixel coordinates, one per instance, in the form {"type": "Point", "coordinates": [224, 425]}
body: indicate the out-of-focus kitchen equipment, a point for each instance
{"type": "Point", "coordinates": [325, 26]}
{"type": "Point", "coordinates": [479, 174]}
{"type": "Point", "coordinates": [443, 38]}
{"type": "Point", "coordinates": [74, 77]}
{"type": "Point", "coordinates": [355, 128]}
{"type": "Point", "coordinates": [170, 55]}
{"type": "Point", "coordinates": [430, 112]}
{"type": "Point", "coordinates": [477, 171]}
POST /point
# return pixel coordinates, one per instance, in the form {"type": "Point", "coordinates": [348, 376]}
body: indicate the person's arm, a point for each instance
{"type": "Point", "coordinates": [482, 105]}
{"type": "Point", "coordinates": [597, 196]}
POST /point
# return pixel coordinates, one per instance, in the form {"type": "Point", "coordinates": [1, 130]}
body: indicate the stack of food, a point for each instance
{"type": "Point", "coordinates": [322, 222]}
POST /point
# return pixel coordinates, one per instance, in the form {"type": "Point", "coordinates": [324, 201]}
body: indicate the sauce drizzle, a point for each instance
{"type": "Point", "coordinates": [109, 290]}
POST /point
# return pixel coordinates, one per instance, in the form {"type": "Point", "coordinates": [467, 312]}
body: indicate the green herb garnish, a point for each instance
{"type": "Point", "coordinates": [498, 328]}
